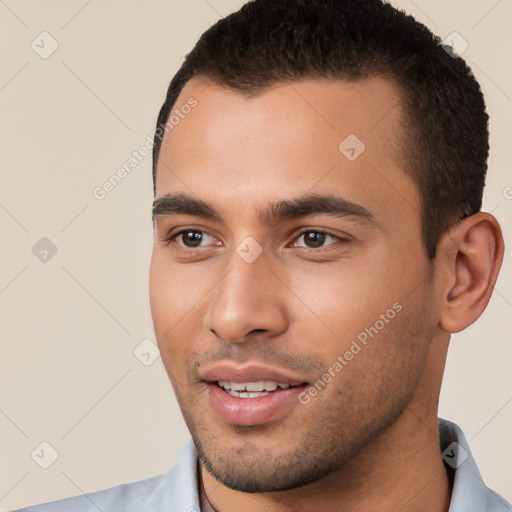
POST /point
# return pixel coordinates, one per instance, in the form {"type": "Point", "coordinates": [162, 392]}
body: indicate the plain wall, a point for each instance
{"type": "Point", "coordinates": [69, 325]}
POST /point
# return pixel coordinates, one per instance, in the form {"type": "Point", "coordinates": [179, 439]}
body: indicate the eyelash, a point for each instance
{"type": "Point", "coordinates": [301, 233]}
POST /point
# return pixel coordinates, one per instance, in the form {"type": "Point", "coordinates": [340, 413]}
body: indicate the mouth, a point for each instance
{"type": "Point", "coordinates": [252, 395]}
{"type": "Point", "coordinates": [253, 389]}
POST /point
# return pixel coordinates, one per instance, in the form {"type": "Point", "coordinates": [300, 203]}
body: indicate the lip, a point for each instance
{"type": "Point", "coordinates": [249, 373]}
{"type": "Point", "coordinates": [251, 411]}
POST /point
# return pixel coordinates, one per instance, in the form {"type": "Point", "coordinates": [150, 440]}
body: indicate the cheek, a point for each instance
{"type": "Point", "coordinates": [160, 294]}
{"type": "Point", "coordinates": [173, 292]}
{"type": "Point", "coordinates": [346, 298]}
{"type": "Point", "coordinates": [176, 299]}
{"type": "Point", "coordinates": [166, 307]}
{"type": "Point", "coordinates": [362, 309]}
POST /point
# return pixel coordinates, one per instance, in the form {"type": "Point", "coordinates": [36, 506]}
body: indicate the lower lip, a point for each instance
{"type": "Point", "coordinates": [252, 411]}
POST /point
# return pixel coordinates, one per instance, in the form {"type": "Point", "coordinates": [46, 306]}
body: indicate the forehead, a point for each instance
{"type": "Point", "coordinates": [308, 135]}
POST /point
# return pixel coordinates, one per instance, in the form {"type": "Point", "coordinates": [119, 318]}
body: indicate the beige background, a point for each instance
{"type": "Point", "coordinates": [69, 325]}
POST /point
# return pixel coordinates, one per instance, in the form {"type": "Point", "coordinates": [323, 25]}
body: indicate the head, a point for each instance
{"type": "Point", "coordinates": [316, 224]}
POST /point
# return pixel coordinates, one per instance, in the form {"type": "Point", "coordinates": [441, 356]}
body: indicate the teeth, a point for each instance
{"type": "Point", "coordinates": [270, 386]}
{"type": "Point", "coordinates": [246, 394]}
{"type": "Point", "coordinates": [252, 387]}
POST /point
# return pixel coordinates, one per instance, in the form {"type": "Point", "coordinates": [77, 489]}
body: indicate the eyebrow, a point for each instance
{"type": "Point", "coordinates": [311, 204]}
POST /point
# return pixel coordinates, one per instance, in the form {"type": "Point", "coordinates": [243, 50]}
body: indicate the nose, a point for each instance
{"type": "Point", "coordinates": [250, 299]}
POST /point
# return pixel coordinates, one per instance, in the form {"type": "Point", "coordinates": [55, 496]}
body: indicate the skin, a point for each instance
{"type": "Point", "coordinates": [369, 440]}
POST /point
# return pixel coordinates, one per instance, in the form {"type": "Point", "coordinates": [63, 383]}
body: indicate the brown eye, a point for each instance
{"type": "Point", "coordinates": [316, 239]}
{"type": "Point", "coordinates": [192, 238]}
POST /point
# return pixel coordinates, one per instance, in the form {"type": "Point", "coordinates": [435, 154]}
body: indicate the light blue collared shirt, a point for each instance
{"type": "Point", "coordinates": [177, 490]}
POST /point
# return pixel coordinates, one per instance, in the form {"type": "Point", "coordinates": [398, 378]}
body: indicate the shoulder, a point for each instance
{"type": "Point", "coordinates": [131, 496]}
{"type": "Point", "coordinates": [169, 491]}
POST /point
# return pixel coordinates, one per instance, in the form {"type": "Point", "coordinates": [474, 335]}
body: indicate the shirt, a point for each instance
{"type": "Point", "coordinates": [178, 491]}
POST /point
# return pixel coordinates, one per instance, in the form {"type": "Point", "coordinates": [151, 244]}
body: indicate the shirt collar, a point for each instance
{"type": "Point", "coordinates": [469, 492]}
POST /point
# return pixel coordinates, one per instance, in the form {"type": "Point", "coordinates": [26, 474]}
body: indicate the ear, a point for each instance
{"type": "Point", "coordinates": [470, 253]}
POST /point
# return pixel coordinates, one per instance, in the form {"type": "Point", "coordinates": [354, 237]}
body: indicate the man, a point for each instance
{"type": "Point", "coordinates": [318, 171]}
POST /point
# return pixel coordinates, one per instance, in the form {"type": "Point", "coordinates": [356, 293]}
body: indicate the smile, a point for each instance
{"type": "Point", "coordinates": [251, 389]}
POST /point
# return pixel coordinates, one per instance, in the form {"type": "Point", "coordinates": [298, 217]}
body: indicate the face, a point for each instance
{"type": "Point", "coordinates": [289, 286]}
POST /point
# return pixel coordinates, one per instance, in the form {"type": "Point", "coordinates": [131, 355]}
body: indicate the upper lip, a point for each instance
{"type": "Point", "coordinates": [249, 373]}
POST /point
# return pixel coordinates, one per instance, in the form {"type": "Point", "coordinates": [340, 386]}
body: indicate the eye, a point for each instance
{"type": "Point", "coordinates": [192, 238]}
{"type": "Point", "coordinates": [316, 238]}
{"type": "Point", "coordinates": [312, 239]}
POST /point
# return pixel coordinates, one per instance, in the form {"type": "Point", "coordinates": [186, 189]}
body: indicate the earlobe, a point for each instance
{"type": "Point", "coordinates": [472, 259]}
